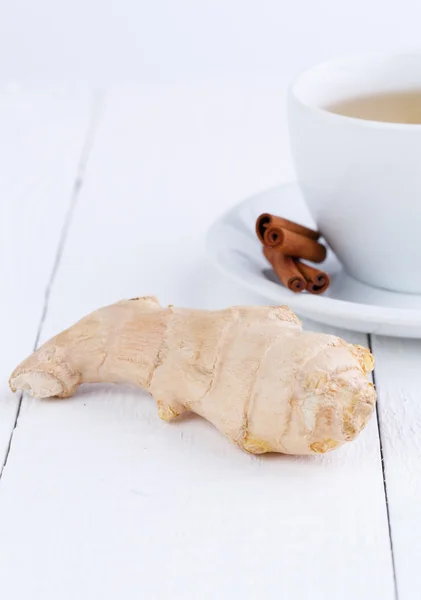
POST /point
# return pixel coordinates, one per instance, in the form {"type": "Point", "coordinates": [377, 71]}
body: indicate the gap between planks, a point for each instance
{"type": "Point", "coordinates": [97, 105]}
{"type": "Point", "coordinates": [386, 498]}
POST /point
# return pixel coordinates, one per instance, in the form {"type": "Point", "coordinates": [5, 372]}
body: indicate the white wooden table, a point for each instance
{"type": "Point", "coordinates": [98, 497]}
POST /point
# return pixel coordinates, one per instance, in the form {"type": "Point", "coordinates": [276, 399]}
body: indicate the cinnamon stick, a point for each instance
{"type": "Point", "coordinates": [294, 244]}
{"type": "Point", "coordinates": [266, 222]}
{"type": "Point", "coordinates": [317, 281]}
{"type": "Point", "coordinates": [286, 269]}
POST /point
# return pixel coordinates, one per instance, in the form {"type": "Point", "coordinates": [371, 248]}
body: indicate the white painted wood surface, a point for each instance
{"type": "Point", "coordinates": [100, 498]}
{"type": "Point", "coordinates": [398, 379]}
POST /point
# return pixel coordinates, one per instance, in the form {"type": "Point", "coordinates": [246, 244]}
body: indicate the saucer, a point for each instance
{"type": "Point", "coordinates": [233, 247]}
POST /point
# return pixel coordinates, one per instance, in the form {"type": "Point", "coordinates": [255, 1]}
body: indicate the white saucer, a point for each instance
{"type": "Point", "coordinates": [233, 247]}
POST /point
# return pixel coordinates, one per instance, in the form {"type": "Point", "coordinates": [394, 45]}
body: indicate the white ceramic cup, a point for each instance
{"type": "Point", "coordinates": [361, 179]}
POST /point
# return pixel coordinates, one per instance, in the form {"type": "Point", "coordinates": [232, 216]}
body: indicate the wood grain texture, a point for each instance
{"type": "Point", "coordinates": [398, 386]}
{"type": "Point", "coordinates": [102, 498]}
{"type": "Point", "coordinates": [41, 139]}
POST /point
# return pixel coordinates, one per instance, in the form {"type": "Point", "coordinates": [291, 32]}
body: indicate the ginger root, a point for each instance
{"type": "Point", "coordinates": [250, 371]}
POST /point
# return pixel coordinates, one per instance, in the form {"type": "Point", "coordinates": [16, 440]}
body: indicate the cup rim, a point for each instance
{"type": "Point", "coordinates": [350, 58]}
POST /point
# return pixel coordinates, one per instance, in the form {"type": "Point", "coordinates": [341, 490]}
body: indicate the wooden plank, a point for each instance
{"type": "Point", "coordinates": [122, 502]}
{"type": "Point", "coordinates": [41, 139]}
{"type": "Point", "coordinates": [398, 386]}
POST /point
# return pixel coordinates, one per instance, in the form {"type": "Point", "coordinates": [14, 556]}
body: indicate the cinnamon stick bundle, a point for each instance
{"type": "Point", "coordinates": [284, 242]}
{"type": "Point", "coordinates": [286, 269]}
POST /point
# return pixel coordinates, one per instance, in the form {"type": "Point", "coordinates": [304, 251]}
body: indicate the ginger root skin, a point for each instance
{"type": "Point", "coordinates": [251, 371]}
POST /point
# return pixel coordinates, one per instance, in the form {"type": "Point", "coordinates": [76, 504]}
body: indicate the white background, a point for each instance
{"type": "Point", "coordinates": [167, 40]}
